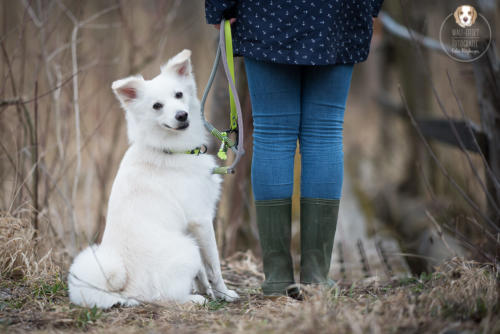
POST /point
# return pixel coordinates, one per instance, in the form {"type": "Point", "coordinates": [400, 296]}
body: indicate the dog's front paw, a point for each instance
{"type": "Point", "coordinates": [210, 292]}
{"type": "Point", "coordinates": [227, 295]}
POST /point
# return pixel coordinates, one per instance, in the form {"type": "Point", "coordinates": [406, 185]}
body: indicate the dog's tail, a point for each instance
{"type": "Point", "coordinates": [97, 277]}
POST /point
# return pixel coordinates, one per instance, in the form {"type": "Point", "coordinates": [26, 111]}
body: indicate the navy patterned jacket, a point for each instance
{"type": "Point", "coordinates": [305, 32]}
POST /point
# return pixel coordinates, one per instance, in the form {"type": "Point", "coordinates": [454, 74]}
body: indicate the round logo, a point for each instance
{"type": "Point", "coordinates": [465, 34]}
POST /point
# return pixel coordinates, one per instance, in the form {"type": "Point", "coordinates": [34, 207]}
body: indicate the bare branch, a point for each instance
{"type": "Point", "coordinates": [36, 174]}
{"type": "Point", "coordinates": [97, 15]}
{"type": "Point", "coordinates": [102, 26]}
{"type": "Point", "coordinates": [406, 33]}
{"type": "Point", "coordinates": [14, 167]}
{"type": "Point", "coordinates": [493, 177]}
{"type": "Point", "coordinates": [32, 14]}
{"type": "Point", "coordinates": [10, 102]}
{"type": "Point", "coordinates": [440, 103]}
{"type": "Point", "coordinates": [439, 231]}
{"type": "Point", "coordinates": [32, 99]}
{"type": "Point", "coordinates": [76, 107]}
{"type": "Point", "coordinates": [59, 50]}
{"type": "Point", "coordinates": [442, 168]}
{"type": "Point", "coordinates": [68, 13]}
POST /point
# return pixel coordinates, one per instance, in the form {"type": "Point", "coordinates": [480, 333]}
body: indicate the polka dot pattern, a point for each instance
{"type": "Point", "coordinates": [303, 32]}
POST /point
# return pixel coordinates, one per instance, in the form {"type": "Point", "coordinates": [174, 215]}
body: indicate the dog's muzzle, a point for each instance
{"type": "Point", "coordinates": [181, 126]}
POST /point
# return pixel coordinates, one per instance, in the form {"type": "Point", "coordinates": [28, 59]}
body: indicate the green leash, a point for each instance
{"type": "Point", "coordinates": [230, 64]}
{"type": "Point", "coordinates": [236, 119]}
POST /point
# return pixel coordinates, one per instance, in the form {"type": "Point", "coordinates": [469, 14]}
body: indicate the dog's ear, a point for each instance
{"type": "Point", "coordinates": [474, 15]}
{"type": "Point", "coordinates": [179, 64]}
{"type": "Point", "coordinates": [127, 90]}
{"type": "Point", "coordinates": [456, 14]}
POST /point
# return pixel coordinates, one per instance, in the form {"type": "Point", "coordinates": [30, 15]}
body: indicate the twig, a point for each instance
{"type": "Point", "coordinates": [468, 244]}
{"type": "Point", "coordinates": [462, 146]}
{"type": "Point", "coordinates": [73, 159]}
{"type": "Point", "coordinates": [9, 68]}
{"type": "Point", "coordinates": [57, 108]}
{"type": "Point", "coordinates": [76, 107]}
{"type": "Point", "coordinates": [103, 26]}
{"type": "Point", "coordinates": [24, 182]}
{"type": "Point", "coordinates": [34, 147]}
{"type": "Point", "coordinates": [453, 127]}
{"type": "Point", "coordinates": [406, 33]}
{"type": "Point", "coordinates": [411, 35]}
{"type": "Point", "coordinates": [483, 230]}
{"type": "Point", "coordinates": [14, 168]}
{"type": "Point", "coordinates": [172, 14]}
{"type": "Point", "coordinates": [21, 108]}
{"type": "Point", "coordinates": [97, 15]}
{"type": "Point", "coordinates": [442, 168]}
{"type": "Point", "coordinates": [471, 132]}
{"type": "Point", "coordinates": [10, 102]}
{"type": "Point", "coordinates": [440, 232]}
{"type": "Point", "coordinates": [34, 17]}
{"type": "Point", "coordinates": [32, 99]}
{"type": "Point", "coordinates": [427, 184]}
{"type": "Point", "coordinates": [60, 49]}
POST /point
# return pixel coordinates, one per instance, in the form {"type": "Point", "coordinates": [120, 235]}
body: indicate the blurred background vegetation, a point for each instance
{"type": "Point", "coordinates": [62, 132]}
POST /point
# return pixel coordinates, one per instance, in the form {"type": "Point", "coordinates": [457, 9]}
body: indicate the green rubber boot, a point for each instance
{"type": "Point", "coordinates": [318, 222]}
{"type": "Point", "coordinates": [275, 232]}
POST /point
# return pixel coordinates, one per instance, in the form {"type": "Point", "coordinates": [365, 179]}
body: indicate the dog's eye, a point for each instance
{"type": "Point", "coordinates": [470, 12]}
{"type": "Point", "coordinates": [178, 95]}
{"type": "Point", "coordinates": [157, 106]}
{"type": "Point", "coordinates": [461, 12]}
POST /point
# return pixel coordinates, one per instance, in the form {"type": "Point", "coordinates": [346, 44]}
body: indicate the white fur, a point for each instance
{"type": "Point", "coordinates": [159, 240]}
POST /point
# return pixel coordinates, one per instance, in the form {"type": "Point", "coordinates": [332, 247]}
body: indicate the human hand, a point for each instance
{"type": "Point", "coordinates": [231, 21]}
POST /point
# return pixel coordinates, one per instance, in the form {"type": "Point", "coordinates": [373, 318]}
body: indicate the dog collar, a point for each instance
{"type": "Point", "coordinates": [196, 151]}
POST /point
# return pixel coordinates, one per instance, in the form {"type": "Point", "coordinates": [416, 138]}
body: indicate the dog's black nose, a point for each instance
{"type": "Point", "coordinates": [465, 19]}
{"type": "Point", "coordinates": [181, 116]}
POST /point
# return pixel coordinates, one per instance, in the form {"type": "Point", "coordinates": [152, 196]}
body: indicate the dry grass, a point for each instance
{"type": "Point", "coordinates": [459, 295]}
{"type": "Point", "coordinates": [18, 254]}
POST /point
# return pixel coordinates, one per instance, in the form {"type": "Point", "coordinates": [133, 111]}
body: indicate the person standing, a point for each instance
{"type": "Point", "coordinates": [299, 56]}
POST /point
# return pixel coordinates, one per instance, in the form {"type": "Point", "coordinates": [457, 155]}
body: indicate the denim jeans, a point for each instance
{"type": "Point", "coordinates": [291, 102]}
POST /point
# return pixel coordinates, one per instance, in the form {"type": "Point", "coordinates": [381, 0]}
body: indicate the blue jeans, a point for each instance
{"type": "Point", "coordinates": [291, 102]}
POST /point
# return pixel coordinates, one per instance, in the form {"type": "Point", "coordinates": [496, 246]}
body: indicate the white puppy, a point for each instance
{"type": "Point", "coordinates": [465, 16]}
{"type": "Point", "coordinates": [159, 240]}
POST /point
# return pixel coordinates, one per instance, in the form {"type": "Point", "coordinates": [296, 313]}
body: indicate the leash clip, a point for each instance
{"type": "Point", "coordinates": [222, 154]}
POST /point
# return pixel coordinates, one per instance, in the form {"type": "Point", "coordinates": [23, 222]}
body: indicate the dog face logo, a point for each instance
{"type": "Point", "coordinates": [465, 35]}
{"type": "Point", "coordinates": [465, 16]}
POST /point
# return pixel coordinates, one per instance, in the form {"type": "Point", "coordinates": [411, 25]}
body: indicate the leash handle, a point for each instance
{"type": "Point", "coordinates": [223, 55]}
{"type": "Point", "coordinates": [230, 64]}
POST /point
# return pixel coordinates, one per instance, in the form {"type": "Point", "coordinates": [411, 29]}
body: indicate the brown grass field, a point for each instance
{"type": "Point", "coordinates": [459, 297]}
